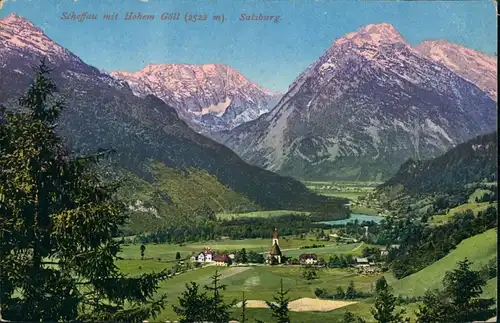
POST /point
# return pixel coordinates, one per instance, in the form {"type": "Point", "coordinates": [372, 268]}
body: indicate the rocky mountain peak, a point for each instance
{"type": "Point", "coordinates": [210, 97]}
{"type": "Point", "coordinates": [373, 34]}
{"type": "Point", "coordinates": [369, 103]}
{"type": "Point", "coordinates": [475, 66]}
{"type": "Point", "coordinates": [14, 18]}
{"type": "Point", "coordinates": [19, 34]}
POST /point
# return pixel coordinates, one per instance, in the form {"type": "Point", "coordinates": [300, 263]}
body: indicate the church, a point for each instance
{"type": "Point", "coordinates": [274, 256]}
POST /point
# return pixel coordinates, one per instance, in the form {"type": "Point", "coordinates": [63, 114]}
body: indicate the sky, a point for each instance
{"type": "Point", "coordinates": [270, 54]}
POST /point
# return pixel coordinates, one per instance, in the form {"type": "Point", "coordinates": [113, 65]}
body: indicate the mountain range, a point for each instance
{"type": "Point", "coordinates": [210, 97]}
{"type": "Point", "coordinates": [362, 109]}
{"type": "Point", "coordinates": [103, 112]}
{"type": "Point", "coordinates": [369, 103]}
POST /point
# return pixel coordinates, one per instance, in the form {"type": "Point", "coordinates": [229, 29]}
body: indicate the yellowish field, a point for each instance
{"type": "Point", "coordinates": [304, 304]}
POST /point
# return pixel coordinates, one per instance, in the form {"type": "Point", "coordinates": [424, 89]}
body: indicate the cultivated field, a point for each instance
{"type": "Point", "coordinates": [258, 282]}
{"type": "Point", "coordinates": [349, 190]}
{"type": "Point", "coordinates": [290, 246]}
{"type": "Point", "coordinates": [305, 304]}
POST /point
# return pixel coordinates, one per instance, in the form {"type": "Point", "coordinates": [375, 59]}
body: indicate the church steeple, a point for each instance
{"type": "Point", "coordinates": [275, 237]}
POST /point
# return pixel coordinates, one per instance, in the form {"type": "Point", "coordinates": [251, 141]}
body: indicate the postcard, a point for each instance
{"type": "Point", "coordinates": [248, 161]}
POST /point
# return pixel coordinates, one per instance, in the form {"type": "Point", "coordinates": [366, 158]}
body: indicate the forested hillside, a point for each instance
{"type": "Point", "coordinates": [471, 162]}
{"type": "Point", "coordinates": [466, 173]}
{"type": "Point", "coordinates": [103, 112]}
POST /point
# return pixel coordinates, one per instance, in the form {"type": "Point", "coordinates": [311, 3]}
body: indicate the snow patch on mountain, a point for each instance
{"type": "Point", "coordinates": [209, 97]}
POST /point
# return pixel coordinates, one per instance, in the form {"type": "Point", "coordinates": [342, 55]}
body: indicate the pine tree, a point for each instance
{"type": "Point", "coordinates": [340, 293]}
{"type": "Point", "coordinates": [143, 249]}
{"type": "Point", "coordinates": [309, 272]}
{"type": "Point", "coordinates": [351, 318]}
{"type": "Point", "coordinates": [244, 258]}
{"type": "Point", "coordinates": [459, 301]}
{"type": "Point", "coordinates": [385, 305]}
{"type": "Point", "coordinates": [192, 304]}
{"type": "Point", "coordinates": [217, 309]}
{"type": "Point", "coordinates": [243, 309]}
{"type": "Point", "coordinates": [350, 292]}
{"type": "Point", "coordinates": [279, 307]}
{"type": "Point", "coordinates": [58, 223]}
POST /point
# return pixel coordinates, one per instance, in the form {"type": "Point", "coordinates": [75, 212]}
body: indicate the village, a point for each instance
{"type": "Point", "coordinates": [371, 264]}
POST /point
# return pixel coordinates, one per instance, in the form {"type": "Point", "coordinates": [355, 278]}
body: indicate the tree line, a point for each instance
{"type": "Point", "coordinates": [238, 228]}
{"type": "Point", "coordinates": [57, 225]}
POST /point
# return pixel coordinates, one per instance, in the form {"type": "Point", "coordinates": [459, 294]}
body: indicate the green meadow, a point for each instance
{"type": "Point", "coordinates": [439, 219]}
{"type": "Point", "coordinates": [479, 249]}
{"type": "Point", "coordinates": [290, 246]}
{"type": "Point", "coordinates": [261, 283]}
{"type": "Point", "coordinates": [356, 249]}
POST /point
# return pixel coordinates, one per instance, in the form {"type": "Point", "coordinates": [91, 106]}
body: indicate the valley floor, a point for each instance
{"type": "Point", "coordinates": [261, 282]}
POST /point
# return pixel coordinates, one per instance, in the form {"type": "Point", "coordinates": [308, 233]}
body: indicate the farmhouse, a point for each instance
{"type": "Point", "coordinates": [222, 260]}
{"type": "Point", "coordinates": [362, 262]}
{"type": "Point", "coordinates": [274, 255]}
{"type": "Point", "coordinates": [308, 259]}
{"type": "Point", "coordinates": [207, 255]}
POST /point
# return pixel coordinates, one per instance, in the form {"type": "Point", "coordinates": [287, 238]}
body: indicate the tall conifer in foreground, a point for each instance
{"type": "Point", "coordinates": [460, 300]}
{"type": "Point", "coordinates": [384, 310]}
{"type": "Point", "coordinates": [218, 311]}
{"type": "Point", "coordinates": [57, 224]}
{"type": "Point", "coordinates": [279, 307]}
{"type": "Point", "coordinates": [192, 304]}
{"type": "Point", "coordinates": [243, 309]}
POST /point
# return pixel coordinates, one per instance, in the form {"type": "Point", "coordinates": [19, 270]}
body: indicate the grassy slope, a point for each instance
{"type": "Point", "coordinates": [478, 193]}
{"type": "Point", "coordinates": [187, 191]}
{"type": "Point", "coordinates": [261, 283]}
{"type": "Point", "coordinates": [478, 249]}
{"type": "Point", "coordinates": [474, 207]}
{"type": "Point", "coordinates": [490, 290]}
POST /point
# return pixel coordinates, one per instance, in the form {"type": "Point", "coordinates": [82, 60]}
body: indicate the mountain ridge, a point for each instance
{"type": "Point", "coordinates": [209, 97]}
{"type": "Point", "coordinates": [468, 162]}
{"type": "Point", "coordinates": [483, 74]}
{"type": "Point", "coordinates": [335, 120]}
{"type": "Point", "coordinates": [103, 112]}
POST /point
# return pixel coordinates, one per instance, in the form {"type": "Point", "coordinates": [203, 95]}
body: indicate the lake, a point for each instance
{"type": "Point", "coordinates": [356, 216]}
